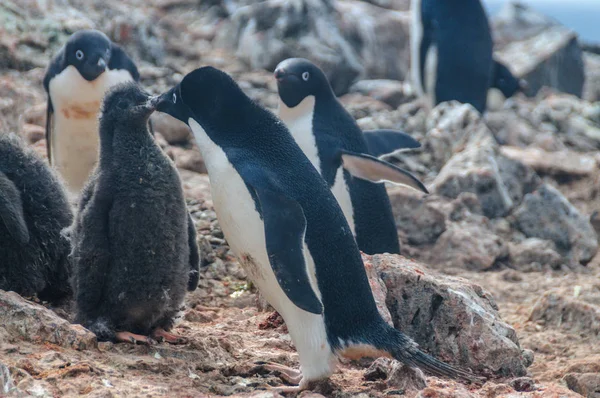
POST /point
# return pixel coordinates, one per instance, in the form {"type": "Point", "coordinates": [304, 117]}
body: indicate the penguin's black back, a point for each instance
{"type": "Point", "coordinates": [257, 142]}
{"type": "Point", "coordinates": [374, 222]}
{"type": "Point", "coordinates": [41, 265]}
{"type": "Point", "coordinates": [461, 32]}
{"type": "Point", "coordinates": [133, 213]}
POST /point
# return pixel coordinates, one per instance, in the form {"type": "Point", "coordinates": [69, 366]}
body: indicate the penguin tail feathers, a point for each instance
{"type": "Point", "coordinates": [405, 350]}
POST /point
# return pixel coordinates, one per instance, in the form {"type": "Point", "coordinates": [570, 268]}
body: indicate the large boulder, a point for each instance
{"type": "Point", "coordinates": [265, 33]}
{"type": "Point", "coordinates": [24, 320]}
{"type": "Point", "coordinates": [451, 318]}
{"type": "Point", "coordinates": [547, 214]}
{"type": "Point", "coordinates": [539, 49]}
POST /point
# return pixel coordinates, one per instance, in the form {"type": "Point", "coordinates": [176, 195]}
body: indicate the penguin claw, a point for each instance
{"type": "Point", "coordinates": [132, 338]}
{"type": "Point", "coordinates": [162, 335]}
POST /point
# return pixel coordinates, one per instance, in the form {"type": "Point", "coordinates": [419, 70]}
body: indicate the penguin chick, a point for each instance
{"type": "Point", "coordinates": [33, 211]}
{"type": "Point", "coordinates": [134, 247]}
{"type": "Point", "coordinates": [287, 229]}
{"type": "Point", "coordinates": [76, 81]}
{"type": "Point", "coordinates": [325, 132]}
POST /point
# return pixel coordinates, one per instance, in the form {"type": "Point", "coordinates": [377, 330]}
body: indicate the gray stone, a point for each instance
{"type": "Point", "coordinates": [451, 318]}
{"type": "Point", "coordinates": [392, 92]}
{"type": "Point", "coordinates": [396, 375]}
{"type": "Point", "coordinates": [591, 89]}
{"type": "Point", "coordinates": [547, 214]}
{"type": "Point", "coordinates": [418, 220]}
{"type": "Point", "coordinates": [173, 130]}
{"type": "Point", "coordinates": [534, 254]}
{"type": "Point", "coordinates": [560, 163]}
{"type": "Point", "coordinates": [539, 50]}
{"type": "Point", "coordinates": [558, 310]}
{"type": "Point", "coordinates": [25, 320]}
{"type": "Point", "coordinates": [586, 384]}
{"type": "Point", "coordinates": [265, 33]}
{"type": "Point", "coordinates": [473, 246]}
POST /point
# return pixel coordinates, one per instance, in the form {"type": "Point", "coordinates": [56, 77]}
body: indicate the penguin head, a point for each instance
{"type": "Point", "coordinates": [206, 95]}
{"type": "Point", "coordinates": [127, 103]}
{"type": "Point", "coordinates": [298, 78]}
{"type": "Point", "coordinates": [89, 51]}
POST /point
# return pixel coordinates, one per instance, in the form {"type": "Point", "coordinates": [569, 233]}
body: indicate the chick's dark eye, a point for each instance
{"type": "Point", "coordinates": [305, 76]}
{"type": "Point", "coordinates": [79, 54]}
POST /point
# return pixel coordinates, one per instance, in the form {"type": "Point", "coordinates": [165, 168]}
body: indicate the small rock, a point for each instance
{"type": "Point", "coordinates": [586, 384]}
{"type": "Point", "coordinates": [561, 163]}
{"type": "Point", "coordinates": [468, 245]}
{"type": "Point", "coordinates": [528, 357]}
{"type": "Point", "coordinates": [523, 384]}
{"type": "Point", "coordinates": [396, 375]}
{"type": "Point", "coordinates": [547, 214]}
{"type": "Point", "coordinates": [454, 320]}
{"type": "Point", "coordinates": [560, 311]}
{"type": "Point", "coordinates": [32, 322]}
{"type": "Point", "coordinates": [379, 290]}
{"type": "Point", "coordinates": [418, 220]}
{"type": "Point", "coordinates": [33, 133]}
{"type": "Point", "coordinates": [391, 92]}
{"type": "Point", "coordinates": [534, 254]}
{"type": "Point", "coordinates": [188, 159]}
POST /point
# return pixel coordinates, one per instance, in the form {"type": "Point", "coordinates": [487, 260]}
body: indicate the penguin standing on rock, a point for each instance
{"type": "Point", "coordinates": [451, 51]}
{"type": "Point", "coordinates": [134, 243]}
{"type": "Point", "coordinates": [326, 132]}
{"type": "Point", "coordinates": [76, 81]}
{"type": "Point", "coordinates": [287, 229]}
{"type": "Point", "coordinates": [33, 211]}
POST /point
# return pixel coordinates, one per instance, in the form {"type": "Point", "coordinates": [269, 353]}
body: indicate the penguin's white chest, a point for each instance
{"type": "Point", "coordinates": [299, 120]}
{"type": "Point", "coordinates": [245, 233]}
{"type": "Point", "coordinates": [74, 137]}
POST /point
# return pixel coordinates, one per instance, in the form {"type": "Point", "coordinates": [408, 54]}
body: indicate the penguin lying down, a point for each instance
{"type": "Point", "coordinates": [288, 231]}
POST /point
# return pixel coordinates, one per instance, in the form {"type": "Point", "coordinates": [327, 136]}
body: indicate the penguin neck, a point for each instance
{"type": "Point", "coordinates": [304, 109]}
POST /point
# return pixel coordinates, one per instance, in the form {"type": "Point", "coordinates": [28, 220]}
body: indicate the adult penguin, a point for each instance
{"type": "Point", "coordinates": [325, 131]}
{"type": "Point", "coordinates": [76, 80]}
{"type": "Point", "coordinates": [287, 229]}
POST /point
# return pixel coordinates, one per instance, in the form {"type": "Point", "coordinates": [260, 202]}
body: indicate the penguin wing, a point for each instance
{"type": "Point", "coordinates": [11, 210]}
{"type": "Point", "coordinates": [194, 256]}
{"type": "Point", "coordinates": [120, 60]}
{"type": "Point", "coordinates": [382, 142]}
{"type": "Point", "coordinates": [370, 168]}
{"type": "Point", "coordinates": [54, 68]}
{"type": "Point", "coordinates": [285, 227]}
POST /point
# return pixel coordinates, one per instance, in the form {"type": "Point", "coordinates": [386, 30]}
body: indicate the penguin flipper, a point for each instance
{"type": "Point", "coordinates": [194, 256]}
{"type": "Point", "coordinates": [11, 210]}
{"type": "Point", "coordinates": [120, 60]}
{"type": "Point", "coordinates": [370, 168]}
{"type": "Point", "coordinates": [382, 142]}
{"type": "Point", "coordinates": [49, 119]}
{"type": "Point", "coordinates": [285, 227]}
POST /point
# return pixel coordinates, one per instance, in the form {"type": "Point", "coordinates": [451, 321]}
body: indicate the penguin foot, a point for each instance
{"type": "Point", "coordinates": [160, 334]}
{"type": "Point", "coordinates": [132, 338]}
{"type": "Point", "coordinates": [290, 375]}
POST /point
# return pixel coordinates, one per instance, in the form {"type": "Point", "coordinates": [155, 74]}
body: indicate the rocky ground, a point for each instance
{"type": "Point", "coordinates": [500, 272]}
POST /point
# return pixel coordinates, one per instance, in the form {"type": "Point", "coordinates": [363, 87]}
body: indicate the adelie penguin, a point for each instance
{"type": "Point", "coordinates": [451, 51]}
{"type": "Point", "coordinates": [336, 146]}
{"type": "Point", "coordinates": [76, 81]}
{"type": "Point", "coordinates": [134, 243]}
{"type": "Point", "coordinates": [33, 212]}
{"type": "Point", "coordinates": [287, 229]}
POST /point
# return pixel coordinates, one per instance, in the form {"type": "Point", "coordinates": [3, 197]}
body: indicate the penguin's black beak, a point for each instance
{"type": "Point", "coordinates": [94, 67]}
{"type": "Point", "coordinates": [280, 74]}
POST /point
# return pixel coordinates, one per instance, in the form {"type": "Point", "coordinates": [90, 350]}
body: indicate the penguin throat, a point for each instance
{"type": "Point", "coordinates": [304, 108]}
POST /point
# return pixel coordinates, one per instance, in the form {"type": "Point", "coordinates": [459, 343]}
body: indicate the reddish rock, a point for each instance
{"type": "Point", "coordinates": [586, 384]}
{"type": "Point", "coordinates": [558, 310]}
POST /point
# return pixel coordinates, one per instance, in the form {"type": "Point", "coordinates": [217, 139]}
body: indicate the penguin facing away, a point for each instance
{"type": "Point", "coordinates": [33, 211]}
{"type": "Point", "coordinates": [325, 132]}
{"type": "Point", "coordinates": [134, 247]}
{"type": "Point", "coordinates": [76, 81]}
{"type": "Point", "coordinates": [451, 51]}
{"type": "Point", "coordinates": [287, 229]}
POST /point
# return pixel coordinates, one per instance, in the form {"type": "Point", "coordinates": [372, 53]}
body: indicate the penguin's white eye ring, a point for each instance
{"type": "Point", "coordinates": [174, 98]}
{"type": "Point", "coordinates": [305, 76]}
{"type": "Point", "coordinates": [79, 54]}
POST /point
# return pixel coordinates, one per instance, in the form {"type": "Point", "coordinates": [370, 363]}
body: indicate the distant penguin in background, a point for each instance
{"type": "Point", "coordinates": [33, 211]}
{"type": "Point", "coordinates": [325, 131]}
{"type": "Point", "coordinates": [76, 81]}
{"type": "Point", "coordinates": [451, 51]}
{"type": "Point", "coordinates": [287, 229]}
{"type": "Point", "coordinates": [134, 243]}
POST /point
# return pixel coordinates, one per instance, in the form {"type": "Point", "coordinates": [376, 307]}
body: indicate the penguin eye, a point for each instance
{"type": "Point", "coordinates": [79, 54]}
{"type": "Point", "coordinates": [305, 76]}
{"type": "Point", "coordinates": [174, 98]}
